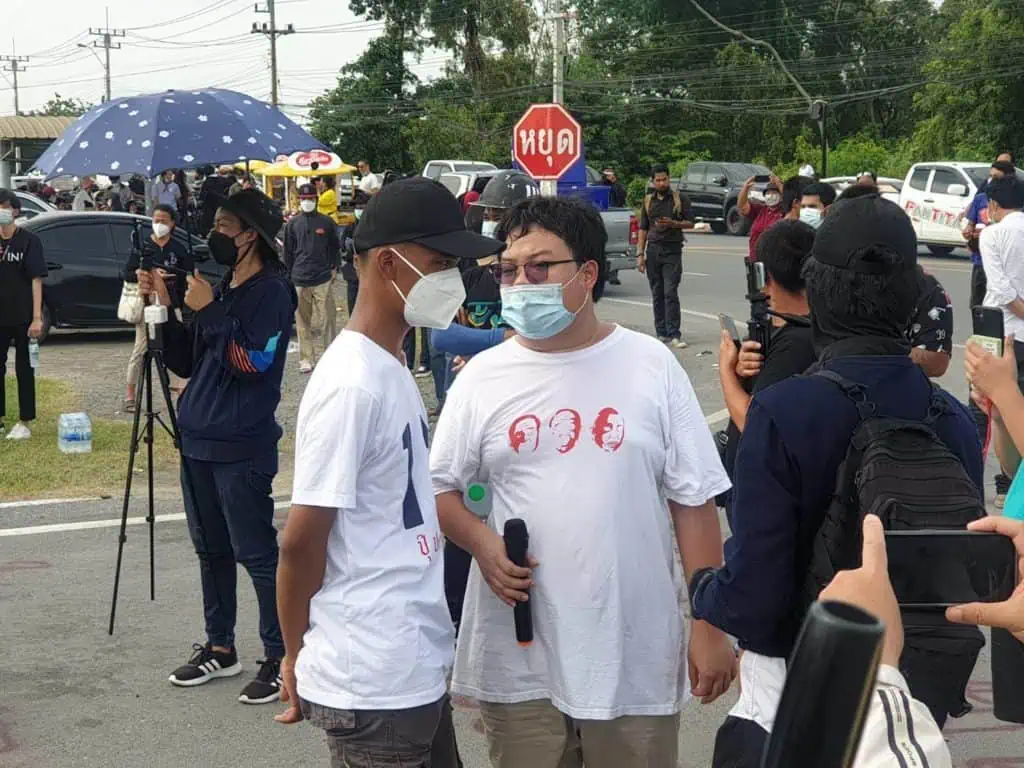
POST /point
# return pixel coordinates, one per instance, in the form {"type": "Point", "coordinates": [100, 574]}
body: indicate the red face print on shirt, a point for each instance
{"type": "Point", "coordinates": [524, 433]}
{"type": "Point", "coordinates": [565, 426]}
{"type": "Point", "coordinates": [609, 430]}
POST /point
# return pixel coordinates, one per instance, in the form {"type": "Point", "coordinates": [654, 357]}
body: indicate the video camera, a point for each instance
{"type": "Point", "coordinates": [759, 327]}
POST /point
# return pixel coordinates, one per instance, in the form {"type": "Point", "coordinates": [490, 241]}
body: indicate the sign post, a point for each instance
{"type": "Point", "coordinates": [546, 142]}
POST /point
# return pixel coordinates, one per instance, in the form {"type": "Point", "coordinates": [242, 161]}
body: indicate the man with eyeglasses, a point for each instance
{"type": "Point", "coordinates": [592, 434]}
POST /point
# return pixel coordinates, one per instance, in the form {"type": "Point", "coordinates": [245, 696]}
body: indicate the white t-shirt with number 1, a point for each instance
{"type": "Point", "coordinates": [380, 635]}
{"type": "Point", "coordinates": [586, 447]}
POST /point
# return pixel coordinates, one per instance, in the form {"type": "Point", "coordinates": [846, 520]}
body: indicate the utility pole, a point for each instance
{"type": "Point", "coordinates": [550, 188]}
{"type": "Point", "coordinates": [271, 31]}
{"type": "Point", "coordinates": [14, 67]}
{"type": "Point", "coordinates": [106, 35]}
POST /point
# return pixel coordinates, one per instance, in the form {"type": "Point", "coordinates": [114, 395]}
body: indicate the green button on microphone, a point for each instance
{"type": "Point", "coordinates": [477, 498]}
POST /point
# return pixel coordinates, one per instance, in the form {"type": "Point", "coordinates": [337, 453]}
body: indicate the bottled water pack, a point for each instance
{"type": "Point", "coordinates": [74, 433]}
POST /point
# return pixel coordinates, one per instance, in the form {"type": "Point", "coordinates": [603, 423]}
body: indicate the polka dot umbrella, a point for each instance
{"type": "Point", "coordinates": [174, 129]}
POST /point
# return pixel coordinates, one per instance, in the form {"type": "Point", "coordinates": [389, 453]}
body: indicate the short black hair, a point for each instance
{"type": "Point", "coordinates": [1007, 192]}
{"type": "Point", "coordinates": [792, 190]}
{"type": "Point", "coordinates": [1013, 158]}
{"type": "Point", "coordinates": [854, 191]}
{"type": "Point", "coordinates": [576, 222]}
{"type": "Point", "coordinates": [363, 162]}
{"type": "Point", "coordinates": [328, 181]}
{"type": "Point", "coordinates": [659, 168]}
{"type": "Point", "coordinates": [846, 293]}
{"type": "Point", "coordinates": [166, 209]}
{"type": "Point", "coordinates": [9, 198]}
{"type": "Point", "coordinates": [784, 249]}
{"type": "Point", "coordinates": [824, 192]}
{"type": "Point", "coordinates": [1004, 166]}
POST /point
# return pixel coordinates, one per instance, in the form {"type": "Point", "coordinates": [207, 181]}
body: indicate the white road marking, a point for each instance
{"type": "Point", "coordinates": [86, 525]}
{"type": "Point", "coordinates": [690, 312]}
{"type": "Point", "coordinates": [696, 274]}
{"type": "Point", "coordinates": [46, 502]}
{"type": "Point", "coordinates": [717, 416]}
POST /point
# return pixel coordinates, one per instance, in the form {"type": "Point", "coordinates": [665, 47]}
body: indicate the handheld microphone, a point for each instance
{"type": "Point", "coordinates": [517, 541]}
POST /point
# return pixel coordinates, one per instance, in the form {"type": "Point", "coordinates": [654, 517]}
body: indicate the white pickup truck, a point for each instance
{"type": "Point", "coordinates": [936, 196]}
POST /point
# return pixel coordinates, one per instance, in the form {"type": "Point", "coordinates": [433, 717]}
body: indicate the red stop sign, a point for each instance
{"type": "Point", "coordinates": [547, 141]}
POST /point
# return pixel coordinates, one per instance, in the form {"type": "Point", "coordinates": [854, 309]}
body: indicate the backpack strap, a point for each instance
{"type": "Point", "coordinates": [677, 202]}
{"type": "Point", "coordinates": [857, 393]}
{"type": "Point", "coordinates": [937, 407]}
{"type": "Point", "coordinates": [647, 204]}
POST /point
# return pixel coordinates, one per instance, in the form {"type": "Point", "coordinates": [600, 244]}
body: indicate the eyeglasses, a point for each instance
{"type": "Point", "coordinates": [535, 271]}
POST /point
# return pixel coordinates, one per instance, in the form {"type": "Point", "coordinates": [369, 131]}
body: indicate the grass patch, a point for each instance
{"type": "Point", "coordinates": [36, 468]}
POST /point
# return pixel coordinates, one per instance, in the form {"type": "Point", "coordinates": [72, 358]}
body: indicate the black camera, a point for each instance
{"type": "Point", "coordinates": [759, 327]}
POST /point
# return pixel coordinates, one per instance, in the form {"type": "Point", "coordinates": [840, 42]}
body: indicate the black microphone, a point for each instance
{"type": "Point", "coordinates": [517, 540]}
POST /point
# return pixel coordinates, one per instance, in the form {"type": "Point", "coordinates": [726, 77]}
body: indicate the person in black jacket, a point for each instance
{"type": "Point", "coordinates": [312, 255]}
{"type": "Point", "coordinates": [235, 353]}
{"type": "Point", "coordinates": [617, 195]}
{"type": "Point", "coordinates": [171, 261]}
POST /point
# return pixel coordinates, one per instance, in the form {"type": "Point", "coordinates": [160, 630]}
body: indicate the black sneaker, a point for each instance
{"type": "Point", "coordinates": [266, 687]}
{"type": "Point", "coordinates": [205, 665]}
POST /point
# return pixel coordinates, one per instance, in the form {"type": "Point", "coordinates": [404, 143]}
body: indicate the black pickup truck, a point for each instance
{"type": "Point", "coordinates": [714, 188]}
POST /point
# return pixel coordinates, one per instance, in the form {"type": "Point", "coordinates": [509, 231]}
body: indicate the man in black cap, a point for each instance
{"type": "Point", "coordinates": [312, 255]}
{"type": "Point", "coordinates": [361, 588]}
{"type": "Point", "coordinates": [861, 290]}
{"type": "Point", "coordinates": [234, 355]}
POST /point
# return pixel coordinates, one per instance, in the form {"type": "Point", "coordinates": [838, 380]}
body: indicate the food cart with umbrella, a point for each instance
{"type": "Point", "coordinates": [282, 179]}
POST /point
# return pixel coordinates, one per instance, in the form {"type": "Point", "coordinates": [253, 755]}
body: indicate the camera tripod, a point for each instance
{"type": "Point", "coordinates": [153, 358]}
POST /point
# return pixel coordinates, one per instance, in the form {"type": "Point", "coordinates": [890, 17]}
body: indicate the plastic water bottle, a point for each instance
{"type": "Point", "coordinates": [33, 353]}
{"type": "Point", "coordinates": [74, 433]}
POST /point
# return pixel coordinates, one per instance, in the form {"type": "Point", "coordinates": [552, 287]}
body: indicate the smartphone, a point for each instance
{"type": "Point", "coordinates": [988, 329]}
{"type": "Point", "coordinates": [935, 569]}
{"type": "Point", "coordinates": [762, 179]}
{"type": "Point", "coordinates": [728, 324]}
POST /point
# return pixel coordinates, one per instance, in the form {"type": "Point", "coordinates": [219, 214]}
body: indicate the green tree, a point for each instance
{"type": "Point", "coordinates": [59, 106]}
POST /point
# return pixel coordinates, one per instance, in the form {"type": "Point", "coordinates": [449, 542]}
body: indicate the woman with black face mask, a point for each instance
{"type": "Point", "coordinates": [234, 354]}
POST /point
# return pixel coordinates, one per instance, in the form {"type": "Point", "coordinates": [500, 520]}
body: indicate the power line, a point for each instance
{"type": "Point", "coordinates": [106, 34]}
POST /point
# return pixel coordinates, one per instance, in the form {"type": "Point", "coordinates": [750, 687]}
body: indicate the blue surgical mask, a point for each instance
{"type": "Point", "coordinates": [537, 312]}
{"type": "Point", "coordinates": [811, 216]}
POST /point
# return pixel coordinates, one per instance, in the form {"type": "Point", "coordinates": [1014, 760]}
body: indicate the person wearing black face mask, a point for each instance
{"type": "Point", "coordinates": [234, 354]}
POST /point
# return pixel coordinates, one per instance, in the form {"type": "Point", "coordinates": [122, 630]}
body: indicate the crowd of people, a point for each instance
{"type": "Point", "coordinates": [391, 590]}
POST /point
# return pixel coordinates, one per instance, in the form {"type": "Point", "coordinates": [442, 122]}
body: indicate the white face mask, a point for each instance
{"type": "Point", "coordinates": [434, 299]}
{"type": "Point", "coordinates": [161, 230]}
{"type": "Point", "coordinates": [811, 216]}
{"type": "Point", "coordinates": [489, 229]}
{"type": "Point", "coordinates": [6, 217]}
{"type": "Point", "coordinates": [771, 199]}
{"type": "Point", "coordinates": [307, 206]}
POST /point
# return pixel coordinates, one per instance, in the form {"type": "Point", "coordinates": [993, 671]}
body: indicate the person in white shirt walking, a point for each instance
{"type": "Point", "coordinates": [361, 596]}
{"type": "Point", "coordinates": [84, 197]}
{"type": "Point", "coordinates": [592, 434]}
{"type": "Point", "coordinates": [369, 183]}
{"type": "Point", "coordinates": [1002, 257]}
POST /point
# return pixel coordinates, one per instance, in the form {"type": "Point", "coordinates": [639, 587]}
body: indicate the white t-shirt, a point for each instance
{"type": "Point", "coordinates": [380, 635]}
{"type": "Point", "coordinates": [370, 183]}
{"type": "Point", "coordinates": [586, 447]}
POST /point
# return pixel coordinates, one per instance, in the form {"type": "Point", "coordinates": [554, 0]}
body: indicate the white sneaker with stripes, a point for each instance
{"type": "Point", "coordinates": [205, 665]}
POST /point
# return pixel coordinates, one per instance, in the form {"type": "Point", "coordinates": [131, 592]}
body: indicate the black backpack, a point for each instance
{"type": "Point", "coordinates": [901, 471]}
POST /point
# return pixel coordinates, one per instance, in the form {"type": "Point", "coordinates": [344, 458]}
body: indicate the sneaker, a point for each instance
{"type": "Point", "coordinates": [678, 344]}
{"type": "Point", "coordinates": [19, 432]}
{"type": "Point", "coordinates": [266, 687]}
{"type": "Point", "coordinates": [204, 666]}
{"type": "Point", "coordinates": [1002, 488]}
{"type": "Point", "coordinates": [422, 371]}
{"type": "Point", "coordinates": [305, 367]}
{"type": "Point", "coordinates": [664, 339]}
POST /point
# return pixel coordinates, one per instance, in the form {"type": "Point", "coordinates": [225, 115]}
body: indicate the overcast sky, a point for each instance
{"type": "Point", "coordinates": [181, 44]}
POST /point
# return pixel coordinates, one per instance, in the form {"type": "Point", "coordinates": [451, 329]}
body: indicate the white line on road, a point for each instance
{"type": "Point", "coordinates": [46, 502]}
{"type": "Point", "coordinates": [696, 274]}
{"type": "Point", "coordinates": [86, 525]}
{"type": "Point", "coordinates": [690, 312]}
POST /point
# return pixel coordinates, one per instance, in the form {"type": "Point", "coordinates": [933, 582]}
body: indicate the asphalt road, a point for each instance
{"type": "Point", "coordinates": [70, 695]}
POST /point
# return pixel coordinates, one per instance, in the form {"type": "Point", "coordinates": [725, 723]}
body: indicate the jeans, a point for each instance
{"type": "Point", "coordinates": [421, 737]}
{"type": "Point", "coordinates": [22, 369]}
{"type": "Point", "coordinates": [664, 272]}
{"type": "Point", "coordinates": [230, 516]}
{"type": "Point", "coordinates": [351, 293]}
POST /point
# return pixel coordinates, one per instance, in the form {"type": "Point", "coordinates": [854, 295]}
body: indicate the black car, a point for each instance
{"type": "Point", "coordinates": [86, 254]}
{"type": "Point", "coordinates": [714, 189]}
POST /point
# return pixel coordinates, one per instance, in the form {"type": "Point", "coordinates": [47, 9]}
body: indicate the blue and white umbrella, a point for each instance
{"type": "Point", "coordinates": [174, 129]}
